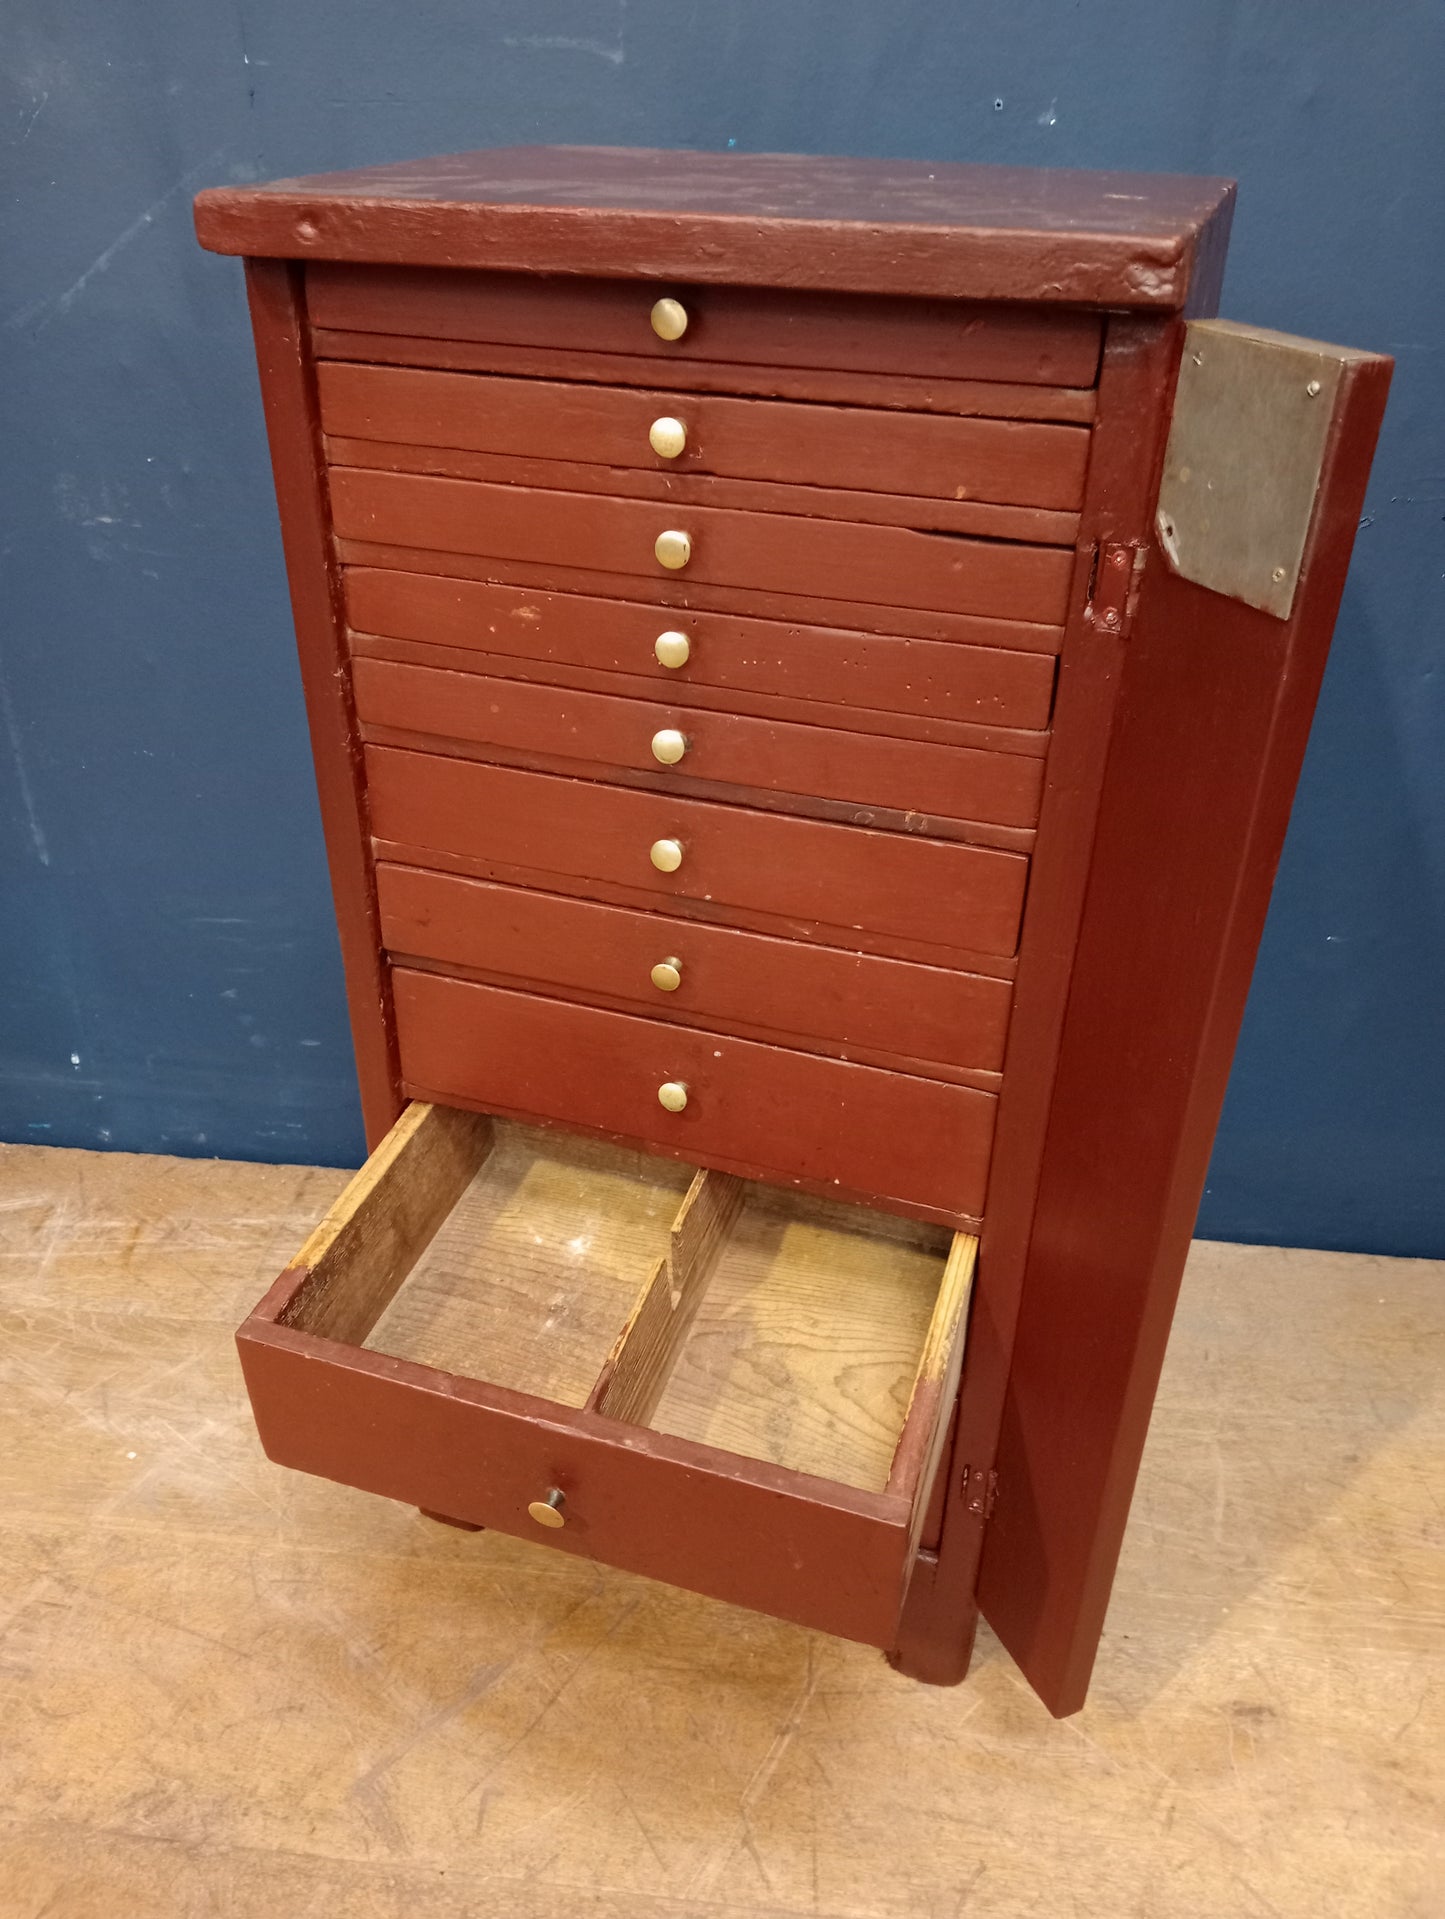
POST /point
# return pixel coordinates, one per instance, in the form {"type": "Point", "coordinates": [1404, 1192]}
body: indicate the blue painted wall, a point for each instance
{"type": "Point", "coordinates": [169, 970]}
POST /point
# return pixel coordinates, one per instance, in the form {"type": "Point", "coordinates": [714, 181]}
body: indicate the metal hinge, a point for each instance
{"type": "Point", "coordinates": [1114, 589]}
{"type": "Point", "coordinates": [981, 1492]}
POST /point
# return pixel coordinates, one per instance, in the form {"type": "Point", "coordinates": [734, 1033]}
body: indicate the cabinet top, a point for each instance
{"type": "Point", "coordinates": [905, 227]}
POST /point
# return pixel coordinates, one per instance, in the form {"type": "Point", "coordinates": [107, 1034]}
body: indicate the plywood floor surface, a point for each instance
{"type": "Point", "coordinates": [229, 1690]}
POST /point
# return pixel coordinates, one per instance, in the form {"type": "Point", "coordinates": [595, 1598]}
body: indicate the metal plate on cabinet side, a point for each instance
{"type": "Point", "coordinates": [1252, 413]}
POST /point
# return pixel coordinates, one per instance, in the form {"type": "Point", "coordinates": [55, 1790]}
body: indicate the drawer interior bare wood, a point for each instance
{"type": "Point", "coordinates": [805, 1347]}
{"type": "Point", "coordinates": [527, 1280]}
{"type": "Point", "coordinates": [803, 1333]}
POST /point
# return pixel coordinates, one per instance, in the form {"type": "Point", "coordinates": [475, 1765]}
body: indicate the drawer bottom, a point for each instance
{"type": "Point", "coordinates": [693, 1377]}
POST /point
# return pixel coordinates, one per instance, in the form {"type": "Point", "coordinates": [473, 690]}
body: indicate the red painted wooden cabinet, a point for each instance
{"type": "Point", "coordinates": [808, 663]}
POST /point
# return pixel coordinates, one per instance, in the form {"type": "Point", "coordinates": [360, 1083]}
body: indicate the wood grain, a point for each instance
{"type": "Point", "coordinates": [348, 1269]}
{"type": "Point", "coordinates": [287, 1663]}
{"type": "Point", "coordinates": [806, 1344]}
{"type": "Point", "coordinates": [635, 1372]}
{"type": "Point", "coordinates": [529, 1277]}
{"type": "Point", "coordinates": [928, 1426]}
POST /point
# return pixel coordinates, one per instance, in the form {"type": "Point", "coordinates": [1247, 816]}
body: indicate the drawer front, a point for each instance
{"type": "Point", "coordinates": [884, 1136]}
{"type": "Point", "coordinates": [770, 552]}
{"type": "Point", "coordinates": [805, 872]}
{"type": "Point", "coordinates": [549, 1266]}
{"type": "Point", "coordinates": [743, 981]}
{"type": "Point", "coordinates": [930, 679]}
{"type": "Point", "coordinates": [825, 1556]}
{"type": "Point", "coordinates": [1010, 462]}
{"type": "Point", "coordinates": [948, 339]}
{"type": "Point", "coordinates": [948, 782]}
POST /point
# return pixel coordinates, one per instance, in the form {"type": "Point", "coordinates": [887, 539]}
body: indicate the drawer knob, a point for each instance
{"type": "Point", "coordinates": [548, 1511]}
{"type": "Point", "coordinates": [669, 745]}
{"type": "Point", "coordinates": [673, 549]}
{"type": "Point", "coordinates": [667, 437]}
{"type": "Point", "coordinates": [669, 319]}
{"type": "Point", "coordinates": [672, 1094]}
{"type": "Point", "coordinates": [667, 977]}
{"type": "Point", "coordinates": [666, 855]}
{"type": "Point", "coordinates": [672, 649]}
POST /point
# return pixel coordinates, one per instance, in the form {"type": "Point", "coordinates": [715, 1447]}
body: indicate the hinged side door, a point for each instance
{"type": "Point", "coordinates": [1269, 452]}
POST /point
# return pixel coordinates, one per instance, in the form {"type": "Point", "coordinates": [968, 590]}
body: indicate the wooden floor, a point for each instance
{"type": "Point", "coordinates": [227, 1690]}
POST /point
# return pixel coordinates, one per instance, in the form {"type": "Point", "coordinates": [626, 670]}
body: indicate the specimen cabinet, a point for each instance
{"type": "Point", "coordinates": [808, 662]}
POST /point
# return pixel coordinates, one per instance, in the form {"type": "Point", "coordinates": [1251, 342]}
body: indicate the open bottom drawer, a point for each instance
{"type": "Point", "coordinates": [714, 1383]}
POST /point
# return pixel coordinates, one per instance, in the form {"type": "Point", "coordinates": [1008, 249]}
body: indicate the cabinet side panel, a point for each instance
{"type": "Point", "coordinates": [1140, 355]}
{"type": "Point", "coordinates": [288, 392]}
{"type": "Point", "coordinates": [1209, 731]}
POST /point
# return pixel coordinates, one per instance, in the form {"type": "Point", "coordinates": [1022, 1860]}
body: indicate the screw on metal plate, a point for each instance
{"type": "Point", "coordinates": [1246, 451]}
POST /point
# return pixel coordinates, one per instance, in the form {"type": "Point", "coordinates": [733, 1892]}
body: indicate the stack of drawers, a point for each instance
{"type": "Point", "coordinates": [703, 649]}
{"type": "Point", "coordinates": [681, 667]}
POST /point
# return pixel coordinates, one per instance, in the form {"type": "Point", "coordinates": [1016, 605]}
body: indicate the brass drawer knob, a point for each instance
{"type": "Point", "coordinates": [666, 855]}
{"type": "Point", "coordinates": [669, 745]}
{"type": "Point", "coordinates": [673, 549]}
{"type": "Point", "coordinates": [672, 649]}
{"type": "Point", "coordinates": [548, 1511]}
{"type": "Point", "coordinates": [667, 437]}
{"type": "Point", "coordinates": [669, 319]}
{"type": "Point", "coordinates": [672, 1094]}
{"type": "Point", "coordinates": [667, 975]}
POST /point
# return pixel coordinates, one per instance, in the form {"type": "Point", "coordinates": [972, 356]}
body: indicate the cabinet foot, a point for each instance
{"type": "Point", "coordinates": [935, 1645]}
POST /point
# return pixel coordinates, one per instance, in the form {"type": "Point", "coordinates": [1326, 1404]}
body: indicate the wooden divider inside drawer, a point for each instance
{"type": "Point", "coordinates": [713, 1383]}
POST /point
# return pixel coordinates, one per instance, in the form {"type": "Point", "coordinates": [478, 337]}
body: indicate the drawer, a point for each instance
{"type": "Point", "coordinates": [706, 1382]}
{"type": "Point", "coordinates": [947, 339]}
{"type": "Point", "coordinates": [806, 874]}
{"type": "Point", "coordinates": [1010, 462]}
{"type": "Point", "coordinates": [929, 679]}
{"type": "Point", "coordinates": [746, 982]}
{"type": "Point", "coordinates": [677, 744]}
{"type": "Point", "coordinates": [888, 1137]}
{"type": "Point", "coordinates": [783, 552]}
